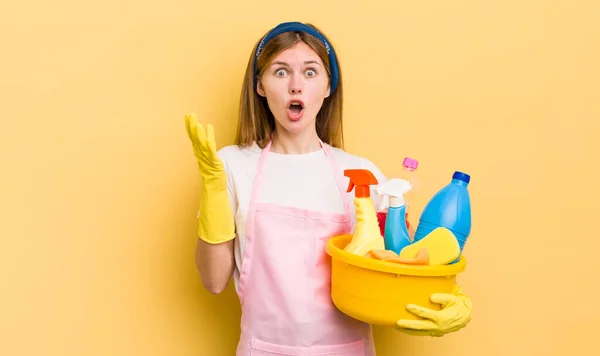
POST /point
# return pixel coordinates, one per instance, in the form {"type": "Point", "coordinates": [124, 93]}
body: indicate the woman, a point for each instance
{"type": "Point", "coordinates": [270, 202]}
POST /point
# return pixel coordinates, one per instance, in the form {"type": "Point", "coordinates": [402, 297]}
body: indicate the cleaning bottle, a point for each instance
{"type": "Point", "coordinates": [396, 235]}
{"type": "Point", "coordinates": [409, 166]}
{"type": "Point", "coordinates": [366, 235]}
{"type": "Point", "coordinates": [450, 208]}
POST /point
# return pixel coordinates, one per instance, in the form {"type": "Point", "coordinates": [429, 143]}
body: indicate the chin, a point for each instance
{"type": "Point", "coordinates": [296, 126]}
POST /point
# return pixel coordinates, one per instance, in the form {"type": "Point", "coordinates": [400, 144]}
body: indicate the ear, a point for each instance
{"type": "Point", "coordinates": [328, 92]}
{"type": "Point", "coordinates": [259, 89]}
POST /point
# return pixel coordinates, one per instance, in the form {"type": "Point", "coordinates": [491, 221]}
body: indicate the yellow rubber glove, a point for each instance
{"type": "Point", "coordinates": [455, 314]}
{"type": "Point", "coordinates": [215, 217]}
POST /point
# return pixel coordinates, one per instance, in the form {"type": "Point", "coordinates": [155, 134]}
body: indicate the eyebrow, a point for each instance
{"type": "Point", "coordinates": [285, 64]}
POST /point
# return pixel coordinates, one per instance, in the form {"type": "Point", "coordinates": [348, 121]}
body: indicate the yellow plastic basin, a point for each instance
{"type": "Point", "coordinates": [377, 292]}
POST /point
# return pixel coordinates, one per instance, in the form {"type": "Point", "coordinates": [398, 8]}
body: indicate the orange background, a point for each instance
{"type": "Point", "coordinates": [99, 186]}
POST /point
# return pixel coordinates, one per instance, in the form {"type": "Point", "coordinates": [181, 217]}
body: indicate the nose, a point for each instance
{"type": "Point", "coordinates": [295, 85]}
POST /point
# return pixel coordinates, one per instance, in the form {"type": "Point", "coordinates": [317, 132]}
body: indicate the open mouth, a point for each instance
{"type": "Point", "coordinates": [296, 108]}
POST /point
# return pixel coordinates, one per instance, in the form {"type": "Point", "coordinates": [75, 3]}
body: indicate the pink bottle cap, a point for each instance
{"type": "Point", "coordinates": [410, 163]}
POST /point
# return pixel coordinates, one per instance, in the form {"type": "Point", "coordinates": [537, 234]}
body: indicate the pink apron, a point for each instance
{"type": "Point", "coordinates": [284, 286]}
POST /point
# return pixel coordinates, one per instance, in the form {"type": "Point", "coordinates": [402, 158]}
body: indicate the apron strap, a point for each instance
{"type": "Point", "coordinates": [339, 177]}
{"type": "Point", "coordinates": [258, 178]}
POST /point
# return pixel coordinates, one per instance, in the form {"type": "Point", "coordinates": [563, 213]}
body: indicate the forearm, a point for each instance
{"type": "Point", "coordinates": [216, 232]}
{"type": "Point", "coordinates": [215, 263]}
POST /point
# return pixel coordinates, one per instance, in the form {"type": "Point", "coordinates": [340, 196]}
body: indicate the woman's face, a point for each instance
{"type": "Point", "coordinates": [295, 85]}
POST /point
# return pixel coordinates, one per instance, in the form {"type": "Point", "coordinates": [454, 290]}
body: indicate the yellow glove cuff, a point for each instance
{"type": "Point", "coordinates": [215, 216]}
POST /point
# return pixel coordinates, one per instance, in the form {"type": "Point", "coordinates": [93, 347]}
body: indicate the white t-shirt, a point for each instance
{"type": "Point", "coordinates": [303, 181]}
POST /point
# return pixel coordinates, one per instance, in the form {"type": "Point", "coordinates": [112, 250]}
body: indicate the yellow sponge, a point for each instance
{"type": "Point", "coordinates": [441, 244]}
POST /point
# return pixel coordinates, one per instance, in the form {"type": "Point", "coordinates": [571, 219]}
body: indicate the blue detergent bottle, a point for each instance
{"type": "Point", "coordinates": [396, 235]}
{"type": "Point", "coordinates": [450, 207]}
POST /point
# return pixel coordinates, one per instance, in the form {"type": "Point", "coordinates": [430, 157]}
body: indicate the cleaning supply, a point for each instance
{"type": "Point", "coordinates": [396, 235]}
{"type": "Point", "coordinates": [409, 167]}
{"type": "Point", "coordinates": [378, 292]}
{"type": "Point", "coordinates": [381, 218]}
{"type": "Point", "coordinates": [450, 207]}
{"type": "Point", "coordinates": [441, 244]}
{"type": "Point", "coordinates": [421, 258]}
{"type": "Point", "coordinates": [366, 235]}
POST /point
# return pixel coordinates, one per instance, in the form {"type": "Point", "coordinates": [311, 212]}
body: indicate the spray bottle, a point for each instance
{"type": "Point", "coordinates": [366, 236]}
{"type": "Point", "coordinates": [396, 234]}
{"type": "Point", "coordinates": [409, 166]}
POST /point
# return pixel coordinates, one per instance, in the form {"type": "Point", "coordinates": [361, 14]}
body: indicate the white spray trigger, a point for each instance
{"type": "Point", "coordinates": [394, 189]}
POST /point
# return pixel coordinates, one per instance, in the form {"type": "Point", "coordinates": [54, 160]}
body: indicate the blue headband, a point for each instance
{"type": "Point", "coordinates": [299, 27]}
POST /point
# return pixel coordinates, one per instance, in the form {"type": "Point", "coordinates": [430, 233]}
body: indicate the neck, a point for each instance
{"type": "Point", "coordinates": [299, 143]}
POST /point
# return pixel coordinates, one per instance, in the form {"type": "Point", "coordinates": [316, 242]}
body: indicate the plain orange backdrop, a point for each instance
{"type": "Point", "coordinates": [99, 187]}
